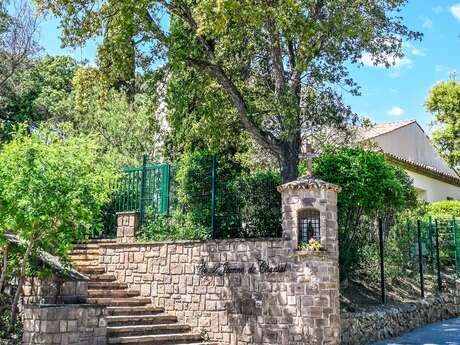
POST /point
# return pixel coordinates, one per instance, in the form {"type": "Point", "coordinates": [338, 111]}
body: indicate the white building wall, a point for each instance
{"type": "Point", "coordinates": [433, 190]}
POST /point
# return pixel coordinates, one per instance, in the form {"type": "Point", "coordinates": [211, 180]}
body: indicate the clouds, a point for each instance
{"type": "Point", "coordinates": [368, 60]}
{"type": "Point", "coordinates": [396, 111]}
{"type": "Point", "coordinates": [411, 49]}
{"type": "Point", "coordinates": [455, 11]}
{"type": "Point", "coordinates": [427, 23]}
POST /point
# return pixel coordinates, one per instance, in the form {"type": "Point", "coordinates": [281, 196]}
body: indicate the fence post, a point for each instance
{"type": "Point", "coordinates": [432, 248]}
{"type": "Point", "coordinates": [213, 197]}
{"type": "Point", "coordinates": [420, 259]}
{"type": "Point", "coordinates": [142, 194]}
{"type": "Point", "coordinates": [438, 261]}
{"type": "Point", "coordinates": [382, 264]}
{"type": "Point", "coordinates": [457, 256]}
{"type": "Point", "coordinates": [165, 186]}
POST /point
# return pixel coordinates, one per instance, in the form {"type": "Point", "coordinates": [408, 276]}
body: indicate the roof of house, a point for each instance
{"type": "Point", "coordinates": [406, 143]}
{"type": "Point", "coordinates": [383, 128]}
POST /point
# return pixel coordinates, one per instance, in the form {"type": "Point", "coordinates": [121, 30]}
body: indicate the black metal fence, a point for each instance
{"type": "Point", "coordinates": [427, 251]}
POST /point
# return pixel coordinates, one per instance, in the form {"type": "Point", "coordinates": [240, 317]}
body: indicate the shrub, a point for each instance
{"type": "Point", "coordinates": [51, 192]}
{"type": "Point", "coordinates": [371, 188]}
{"type": "Point", "coordinates": [444, 209]}
{"type": "Point", "coordinates": [260, 204]}
{"type": "Point", "coordinates": [177, 226]}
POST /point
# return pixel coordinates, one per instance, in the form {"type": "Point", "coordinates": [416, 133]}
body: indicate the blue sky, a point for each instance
{"type": "Point", "coordinates": [392, 94]}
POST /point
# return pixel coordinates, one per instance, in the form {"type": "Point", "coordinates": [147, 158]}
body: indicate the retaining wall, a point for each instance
{"type": "Point", "coordinates": [65, 325]}
{"type": "Point", "coordinates": [236, 291]}
{"type": "Point", "coordinates": [367, 327]}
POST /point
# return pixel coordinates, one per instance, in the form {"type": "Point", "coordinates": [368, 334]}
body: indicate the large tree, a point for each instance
{"type": "Point", "coordinates": [281, 63]}
{"type": "Point", "coordinates": [444, 102]}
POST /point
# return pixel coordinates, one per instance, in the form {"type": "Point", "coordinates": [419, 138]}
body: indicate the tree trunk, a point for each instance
{"type": "Point", "coordinates": [289, 159]}
{"type": "Point", "coordinates": [4, 267]}
{"type": "Point", "coordinates": [22, 272]}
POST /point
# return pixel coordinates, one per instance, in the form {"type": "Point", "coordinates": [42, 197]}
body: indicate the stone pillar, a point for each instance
{"type": "Point", "coordinates": [127, 226]}
{"type": "Point", "coordinates": [308, 193]}
{"type": "Point", "coordinates": [318, 271]}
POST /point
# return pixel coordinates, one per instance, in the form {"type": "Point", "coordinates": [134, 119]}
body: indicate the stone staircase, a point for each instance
{"type": "Point", "coordinates": [132, 319]}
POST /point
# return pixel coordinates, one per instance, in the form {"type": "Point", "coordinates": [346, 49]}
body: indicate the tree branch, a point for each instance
{"type": "Point", "coordinates": [276, 56]}
{"type": "Point", "coordinates": [263, 138]}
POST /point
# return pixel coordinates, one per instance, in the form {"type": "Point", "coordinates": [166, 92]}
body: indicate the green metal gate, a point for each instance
{"type": "Point", "coordinates": [146, 186]}
{"type": "Point", "coordinates": [139, 189]}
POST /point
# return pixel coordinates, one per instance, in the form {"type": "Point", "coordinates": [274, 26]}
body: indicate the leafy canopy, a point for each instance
{"type": "Point", "coordinates": [444, 102]}
{"type": "Point", "coordinates": [41, 92]}
{"type": "Point", "coordinates": [126, 128]}
{"type": "Point", "coordinates": [278, 62]}
{"type": "Point", "coordinates": [51, 190]}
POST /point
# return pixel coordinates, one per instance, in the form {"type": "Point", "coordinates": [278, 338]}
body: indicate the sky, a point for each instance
{"type": "Point", "coordinates": [394, 94]}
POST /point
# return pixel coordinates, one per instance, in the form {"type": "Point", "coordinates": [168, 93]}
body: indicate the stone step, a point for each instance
{"type": "Point", "coordinates": [76, 252]}
{"type": "Point", "coordinates": [102, 278]}
{"type": "Point", "coordinates": [157, 339]}
{"type": "Point", "coordinates": [109, 285]}
{"type": "Point", "coordinates": [113, 293]}
{"type": "Point", "coordinates": [132, 301]}
{"type": "Point", "coordinates": [90, 270]}
{"type": "Point", "coordinates": [133, 311]}
{"type": "Point", "coordinates": [155, 319]}
{"type": "Point", "coordinates": [129, 330]}
{"type": "Point", "coordinates": [84, 257]}
{"type": "Point", "coordinates": [86, 246]}
{"type": "Point", "coordinates": [85, 263]}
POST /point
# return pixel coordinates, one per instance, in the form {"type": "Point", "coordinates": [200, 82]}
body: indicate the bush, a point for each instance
{"type": "Point", "coordinates": [246, 205]}
{"type": "Point", "coordinates": [260, 202]}
{"type": "Point", "coordinates": [174, 227]}
{"type": "Point", "coordinates": [444, 209]}
{"type": "Point", "coordinates": [371, 188]}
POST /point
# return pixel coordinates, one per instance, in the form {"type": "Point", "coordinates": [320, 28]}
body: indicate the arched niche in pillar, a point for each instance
{"type": "Point", "coordinates": [309, 225]}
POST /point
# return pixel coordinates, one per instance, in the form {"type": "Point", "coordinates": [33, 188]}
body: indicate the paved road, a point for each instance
{"type": "Point", "coordinates": [441, 333]}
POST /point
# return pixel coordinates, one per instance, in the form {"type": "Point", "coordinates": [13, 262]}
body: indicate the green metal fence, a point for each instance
{"type": "Point", "coordinates": [137, 189]}
{"type": "Point", "coordinates": [226, 204]}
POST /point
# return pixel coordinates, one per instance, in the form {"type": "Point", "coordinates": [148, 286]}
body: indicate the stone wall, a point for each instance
{"type": "Point", "coordinates": [65, 325]}
{"type": "Point", "coordinates": [367, 327]}
{"type": "Point", "coordinates": [262, 291]}
{"type": "Point", "coordinates": [238, 291]}
{"type": "Point", "coordinates": [54, 290]}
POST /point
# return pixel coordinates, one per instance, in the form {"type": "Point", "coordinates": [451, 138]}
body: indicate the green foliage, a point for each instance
{"type": "Point", "coordinates": [276, 62]}
{"type": "Point", "coordinates": [199, 112]}
{"type": "Point", "coordinates": [371, 188]}
{"type": "Point", "coordinates": [194, 185]}
{"type": "Point", "coordinates": [42, 91]}
{"type": "Point", "coordinates": [444, 102]}
{"type": "Point", "coordinates": [247, 205]}
{"type": "Point", "coordinates": [5, 319]}
{"type": "Point", "coordinates": [259, 204]}
{"type": "Point", "coordinates": [126, 128]}
{"type": "Point", "coordinates": [444, 209]}
{"type": "Point", "coordinates": [177, 226]}
{"type": "Point", "coordinates": [52, 189]}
